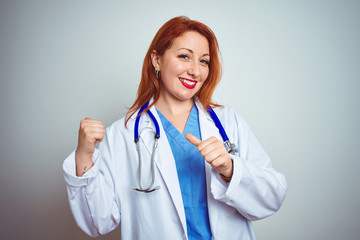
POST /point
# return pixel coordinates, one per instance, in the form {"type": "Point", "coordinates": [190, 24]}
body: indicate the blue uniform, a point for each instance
{"type": "Point", "coordinates": [190, 167]}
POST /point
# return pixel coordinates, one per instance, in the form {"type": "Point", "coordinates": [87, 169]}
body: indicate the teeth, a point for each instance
{"type": "Point", "coordinates": [187, 82]}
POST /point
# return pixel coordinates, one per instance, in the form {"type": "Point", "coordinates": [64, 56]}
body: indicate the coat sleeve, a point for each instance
{"type": "Point", "coordinates": [92, 196]}
{"type": "Point", "coordinates": [256, 189]}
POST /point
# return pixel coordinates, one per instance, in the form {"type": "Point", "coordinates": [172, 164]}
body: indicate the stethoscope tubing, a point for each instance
{"type": "Point", "coordinates": [231, 148]}
{"type": "Point", "coordinates": [136, 128]}
{"type": "Point", "coordinates": [136, 140]}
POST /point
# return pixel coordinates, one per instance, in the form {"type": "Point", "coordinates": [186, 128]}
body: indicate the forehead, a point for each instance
{"type": "Point", "coordinates": [191, 40]}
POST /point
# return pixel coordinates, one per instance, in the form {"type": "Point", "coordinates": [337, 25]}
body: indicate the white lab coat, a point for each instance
{"type": "Point", "coordinates": [103, 196]}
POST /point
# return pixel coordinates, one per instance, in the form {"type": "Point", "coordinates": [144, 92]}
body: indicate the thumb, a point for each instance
{"type": "Point", "coordinates": [192, 139]}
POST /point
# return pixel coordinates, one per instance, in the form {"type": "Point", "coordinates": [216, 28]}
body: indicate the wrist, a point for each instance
{"type": "Point", "coordinates": [226, 177]}
{"type": "Point", "coordinates": [81, 154]}
{"type": "Point", "coordinates": [83, 162]}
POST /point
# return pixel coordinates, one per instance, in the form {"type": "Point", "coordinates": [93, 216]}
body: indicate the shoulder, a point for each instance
{"type": "Point", "coordinates": [225, 111]}
{"type": "Point", "coordinates": [118, 127]}
{"type": "Point", "coordinates": [118, 124]}
{"type": "Point", "coordinates": [229, 116]}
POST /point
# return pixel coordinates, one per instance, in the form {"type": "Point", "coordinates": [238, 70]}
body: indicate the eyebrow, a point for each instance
{"type": "Point", "coordinates": [206, 54]}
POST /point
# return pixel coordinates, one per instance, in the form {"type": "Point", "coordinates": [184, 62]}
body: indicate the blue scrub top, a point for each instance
{"type": "Point", "coordinates": [190, 167]}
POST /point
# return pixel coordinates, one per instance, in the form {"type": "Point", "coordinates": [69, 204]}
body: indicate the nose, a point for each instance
{"type": "Point", "coordinates": [194, 70]}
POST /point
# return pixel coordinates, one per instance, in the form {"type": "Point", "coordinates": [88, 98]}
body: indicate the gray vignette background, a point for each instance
{"type": "Point", "coordinates": [291, 69]}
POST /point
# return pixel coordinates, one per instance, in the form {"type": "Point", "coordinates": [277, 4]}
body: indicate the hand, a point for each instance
{"type": "Point", "coordinates": [214, 152]}
{"type": "Point", "coordinates": [90, 132]}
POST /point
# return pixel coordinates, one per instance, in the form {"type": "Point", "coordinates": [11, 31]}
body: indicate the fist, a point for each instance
{"type": "Point", "coordinates": [214, 152]}
{"type": "Point", "coordinates": [90, 132]}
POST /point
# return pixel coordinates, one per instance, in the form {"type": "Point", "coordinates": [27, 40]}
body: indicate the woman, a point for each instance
{"type": "Point", "coordinates": [178, 180]}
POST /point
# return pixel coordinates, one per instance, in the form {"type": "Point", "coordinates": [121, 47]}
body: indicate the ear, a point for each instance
{"type": "Point", "coordinates": [155, 59]}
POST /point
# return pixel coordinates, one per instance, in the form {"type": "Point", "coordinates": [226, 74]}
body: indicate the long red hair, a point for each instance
{"type": "Point", "coordinates": [149, 85]}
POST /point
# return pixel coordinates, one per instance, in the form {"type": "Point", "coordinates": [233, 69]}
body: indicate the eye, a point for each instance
{"type": "Point", "coordinates": [205, 62]}
{"type": "Point", "coordinates": [183, 56]}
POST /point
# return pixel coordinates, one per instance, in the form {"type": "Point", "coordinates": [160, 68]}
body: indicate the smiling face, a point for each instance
{"type": "Point", "coordinates": [184, 67]}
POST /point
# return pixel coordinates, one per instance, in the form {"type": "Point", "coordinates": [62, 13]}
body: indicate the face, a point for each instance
{"type": "Point", "coordinates": [184, 67]}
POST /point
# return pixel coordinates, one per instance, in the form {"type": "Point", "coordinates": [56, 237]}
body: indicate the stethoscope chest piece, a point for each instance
{"type": "Point", "coordinates": [230, 147]}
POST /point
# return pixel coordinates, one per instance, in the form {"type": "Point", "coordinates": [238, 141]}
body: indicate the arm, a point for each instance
{"type": "Point", "coordinates": [256, 190]}
{"type": "Point", "coordinates": [91, 194]}
{"type": "Point", "coordinates": [90, 132]}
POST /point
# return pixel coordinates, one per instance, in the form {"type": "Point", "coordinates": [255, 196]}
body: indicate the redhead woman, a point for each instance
{"type": "Point", "coordinates": [178, 166]}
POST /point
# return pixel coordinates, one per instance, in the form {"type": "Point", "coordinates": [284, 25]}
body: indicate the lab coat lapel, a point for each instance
{"type": "Point", "coordinates": [164, 161]}
{"type": "Point", "coordinates": [209, 129]}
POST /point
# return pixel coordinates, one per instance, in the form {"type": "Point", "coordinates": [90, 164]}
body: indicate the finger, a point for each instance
{"type": "Point", "coordinates": [91, 130]}
{"type": "Point", "coordinates": [212, 155]}
{"type": "Point", "coordinates": [91, 124]}
{"type": "Point", "coordinates": [94, 137]}
{"type": "Point", "coordinates": [225, 167]}
{"type": "Point", "coordinates": [192, 139]}
{"type": "Point", "coordinates": [207, 145]}
{"type": "Point", "coordinates": [90, 127]}
{"type": "Point", "coordinates": [98, 130]}
{"type": "Point", "coordinates": [221, 162]}
{"type": "Point", "coordinates": [88, 120]}
{"type": "Point", "coordinates": [100, 137]}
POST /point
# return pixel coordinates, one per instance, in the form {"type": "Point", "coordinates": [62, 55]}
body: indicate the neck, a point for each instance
{"type": "Point", "coordinates": [173, 107]}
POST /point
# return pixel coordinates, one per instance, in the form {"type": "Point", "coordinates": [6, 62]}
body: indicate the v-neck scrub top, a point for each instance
{"type": "Point", "coordinates": [190, 168]}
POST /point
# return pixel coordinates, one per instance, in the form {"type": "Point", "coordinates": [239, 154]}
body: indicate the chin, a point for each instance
{"type": "Point", "coordinates": [185, 97]}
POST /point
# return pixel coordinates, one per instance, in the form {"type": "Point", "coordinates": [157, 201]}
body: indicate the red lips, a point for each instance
{"type": "Point", "coordinates": [190, 84]}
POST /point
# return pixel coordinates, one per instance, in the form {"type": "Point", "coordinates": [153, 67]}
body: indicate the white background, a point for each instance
{"type": "Point", "coordinates": [291, 69]}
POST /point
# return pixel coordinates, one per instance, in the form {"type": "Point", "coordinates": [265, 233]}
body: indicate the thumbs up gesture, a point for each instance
{"type": "Point", "coordinates": [214, 152]}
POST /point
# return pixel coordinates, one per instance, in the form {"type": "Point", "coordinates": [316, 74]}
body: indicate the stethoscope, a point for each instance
{"type": "Point", "coordinates": [230, 147]}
